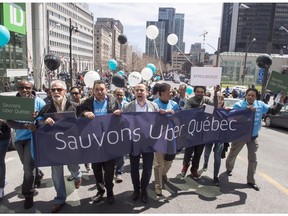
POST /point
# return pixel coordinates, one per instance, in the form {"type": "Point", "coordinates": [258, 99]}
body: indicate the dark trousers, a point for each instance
{"type": "Point", "coordinates": [105, 180]}
{"type": "Point", "coordinates": [198, 150]}
{"type": "Point", "coordinates": [147, 170]}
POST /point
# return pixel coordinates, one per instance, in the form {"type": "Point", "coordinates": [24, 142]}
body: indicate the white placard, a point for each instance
{"type": "Point", "coordinates": [209, 109]}
{"type": "Point", "coordinates": [205, 76]}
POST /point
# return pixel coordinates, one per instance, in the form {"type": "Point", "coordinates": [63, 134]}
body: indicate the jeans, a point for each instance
{"type": "Point", "coordinates": [3, 149]}
{"type": "Point", "coordinates": [218, 148]}
{"type": "Point", "coordinates": [59, 182]}
{"type": "Point", "coordinates": [147, 170]}
{"type": "Point", "coordinates": [24, 152]}
{"type": "Point", "coordinates": [198, 150]}
{"type": "Point", "coordinates": [119, 165]}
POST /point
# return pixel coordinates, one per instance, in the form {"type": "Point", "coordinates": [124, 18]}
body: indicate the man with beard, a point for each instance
{"type": "Point", "coordinates": [59, 104]}
{"type": "Point", "coordinates": [193, 102]}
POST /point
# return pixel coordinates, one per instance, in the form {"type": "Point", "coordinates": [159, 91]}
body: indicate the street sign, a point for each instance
{"type": "Point", "coordinates": [277, 82]}
{"type": "Point", "coordinates": [260, 76]}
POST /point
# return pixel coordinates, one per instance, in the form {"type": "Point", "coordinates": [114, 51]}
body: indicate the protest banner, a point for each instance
{"type": "Point", "coordinates": [277, 82]}
{"type": "Point", "coordinates": [16, 108]}
{"type": "Point", "coordinates": [205, 76]}
{"type": "Point", "coordinates": [76, 141]}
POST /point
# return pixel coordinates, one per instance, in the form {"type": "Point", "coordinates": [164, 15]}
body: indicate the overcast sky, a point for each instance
{"type": "Point", "coordinates": [199, 18]}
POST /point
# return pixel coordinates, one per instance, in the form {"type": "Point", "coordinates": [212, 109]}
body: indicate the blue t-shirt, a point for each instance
{"type": "Point", "coordinates": [261, 108]}
{"type": "Point", "coordinates": [100, 108]}
{"type": "Point", "coordinates": [170, 105]}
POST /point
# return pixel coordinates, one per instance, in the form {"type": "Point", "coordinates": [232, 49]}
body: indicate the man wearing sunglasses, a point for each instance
{"type": "Point", "coordinates": [23, 135]}
{"type": "Point", "coordinates": [60, 103]}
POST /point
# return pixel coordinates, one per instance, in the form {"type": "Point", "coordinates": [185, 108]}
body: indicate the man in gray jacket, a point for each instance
{"type": "Point", "coordinates": [141, 104]}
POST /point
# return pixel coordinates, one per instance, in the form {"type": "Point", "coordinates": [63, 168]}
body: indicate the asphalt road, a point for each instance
{"type": "Point", "coordinates": [181, 195]}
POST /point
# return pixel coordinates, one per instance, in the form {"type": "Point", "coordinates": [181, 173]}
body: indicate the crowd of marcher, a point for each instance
{"type": "Point", "coordinates": [100, 101]}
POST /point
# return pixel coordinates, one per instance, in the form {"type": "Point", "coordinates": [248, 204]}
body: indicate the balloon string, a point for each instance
{"type": "Point", "coordinates": [158, 59]}
{"type": "Point", "coordinates": [184, 55]}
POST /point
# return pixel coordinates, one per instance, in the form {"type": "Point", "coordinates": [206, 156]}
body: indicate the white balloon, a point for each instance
{"type": "Point", "coordinates": [146, 73]}
{"type": "Point", "coordinates": [134, 78]}
{"type": "Point", "coordinates": [152, 32]}
{"type": "Point", "coordinates": [90, 77]}
{"type": "Point", "coordinates": [172, 39]}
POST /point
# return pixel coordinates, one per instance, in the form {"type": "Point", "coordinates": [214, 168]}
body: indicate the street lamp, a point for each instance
{"type": "Point", "coordinates": [71, 28]}
{"type": "Point", "coordinates": [245, 60]}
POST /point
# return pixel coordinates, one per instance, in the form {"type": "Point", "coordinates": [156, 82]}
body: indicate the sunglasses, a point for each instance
{"type": "Point", "coordinates": [139, 90]}
{"type": "Point", "coordinates": [24, 87]}
{"type": "Point", "coordinates": [74, 93]}
{"type": "Point", "coordinates": [57, 89]}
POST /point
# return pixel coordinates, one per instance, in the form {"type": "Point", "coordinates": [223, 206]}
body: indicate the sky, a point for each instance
{"type": "Point", "coordinates": [199, 18]}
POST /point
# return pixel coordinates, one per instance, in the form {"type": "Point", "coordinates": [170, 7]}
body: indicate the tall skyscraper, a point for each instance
{"type": "Point", "coordinates": [179, 31]}
{"type": "Point", "coordinates": [168, 22]}
{"type": "Point", "coordinates": [243, 22]}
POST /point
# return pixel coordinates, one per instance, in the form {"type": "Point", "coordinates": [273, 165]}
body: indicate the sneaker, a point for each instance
{"type": "Point", "coordinates": [184, 171]}
{"type": "Point", "coordinates": [195, 175]}
{"type": "Point", "coordinates": [229, 173]}
{"type": "Point", "coordinates": [119, 179]}
{"type": "Point", "coordinates": [205, 166]}
{"type": "Point", "coordinates": [216, 181]}
{"type": "Point", "coordinates": [158, 191]}
{"type": "Point", "coordinates": [1, 193]}
{"type": "Point", "coordinates": [87, 166]}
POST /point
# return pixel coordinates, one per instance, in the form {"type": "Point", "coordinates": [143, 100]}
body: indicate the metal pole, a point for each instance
{"type": "Point", "coordinates": [70, 49]}
{"type": "Point", "coordinates": [269, 45]}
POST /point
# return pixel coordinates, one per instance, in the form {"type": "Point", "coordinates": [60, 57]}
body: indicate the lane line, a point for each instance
{"type": "Point", "coordinates": [268, 178]}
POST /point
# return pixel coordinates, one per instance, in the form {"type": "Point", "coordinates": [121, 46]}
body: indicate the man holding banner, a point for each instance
{"type": "Point", "coordinates": [101, 104]}
{"type": "Point", "coordinates": [141, 104]}
{"type": "Point", "coordinates": [193, 102]}
{"type": "Point", "coordinates": [23, 136]}
{"type": "Point", "coordinates": [60, 104]}
{"type": "Point", "coordinates": [260, 108]}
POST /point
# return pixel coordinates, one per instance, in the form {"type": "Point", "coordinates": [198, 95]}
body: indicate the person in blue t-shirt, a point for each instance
{"type": "Point", "coordinates": [260, 108]}
{"type": "Point", "coordinates": [163, 162]}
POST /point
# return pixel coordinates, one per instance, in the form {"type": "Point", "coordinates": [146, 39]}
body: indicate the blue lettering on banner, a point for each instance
{"type": "Point", "coordinates": [76, 141]}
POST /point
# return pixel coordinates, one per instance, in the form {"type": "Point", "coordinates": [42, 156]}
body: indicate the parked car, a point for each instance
{"type": "Point", "coordinates": [229, 102]}
{"type": "Point", "coordinates": [278, 120]}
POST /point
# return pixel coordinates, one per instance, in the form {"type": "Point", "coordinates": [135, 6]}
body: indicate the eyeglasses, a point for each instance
{"type": "Point", "coordinates": [74, 93]}
{"type": "Point", "coordinates": [57, 89]}
{"type": "Point", "coordinates": [24, 87]}
{"type": "Point", "coordinates": [139, 90]}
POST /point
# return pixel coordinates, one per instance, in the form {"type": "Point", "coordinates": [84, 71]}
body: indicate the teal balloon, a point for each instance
{"type": "Point", "coordinates": [121, 72]}
{"type": "Point", "coordinates": [189, 90]}
{"type": "Point", "coordinates": [112, 64]}
{"type": "Point", "coordinates": [158, 78]}
{"type": "Point", "coordinates": [152, 67]}
{"type": "Point", "coordinates": [4, 35]}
